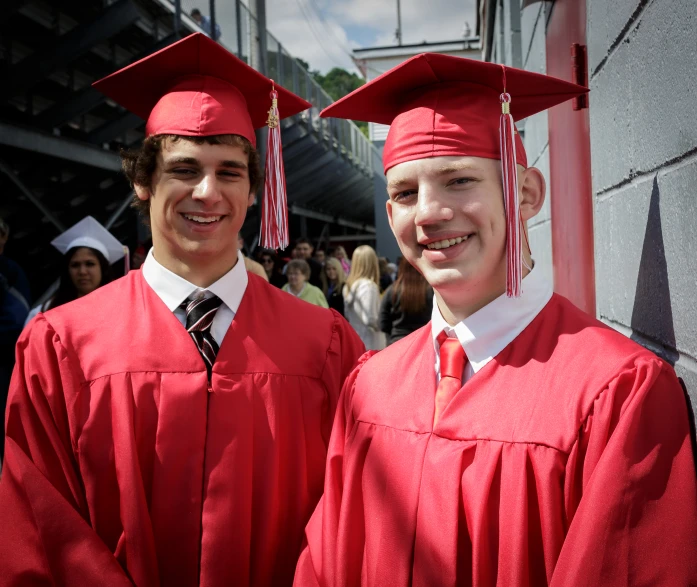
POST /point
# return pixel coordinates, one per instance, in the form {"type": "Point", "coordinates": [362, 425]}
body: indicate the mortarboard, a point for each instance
{"type": "Point", "coordinates": [440, 105]}
{"type": "Point", "coordinates": [195, 87]}
{"type": "Point", "coordinates": [89, 233]}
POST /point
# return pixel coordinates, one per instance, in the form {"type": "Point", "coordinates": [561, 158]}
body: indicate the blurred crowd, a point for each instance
{"type": "Point", "coordinates": [382, 301]}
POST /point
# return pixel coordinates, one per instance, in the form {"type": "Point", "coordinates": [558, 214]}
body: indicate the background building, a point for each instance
{"type": "Point", "coordinates": [621, 243]}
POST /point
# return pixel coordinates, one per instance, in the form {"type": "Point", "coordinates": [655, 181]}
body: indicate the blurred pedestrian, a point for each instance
{"type": "Point", "coordinates": [205, 23]}
{"type": "Point", "coordinates": [273, 266]}
{"type": "Point", "coordinates": [14, 305]}
{"type": "Point", "coordinates": [250, 264]}
{"type": "Point", "coordinates": [298, 274]}
{"type": "Point", "coordinates": [88, 250]}
{"type": "Point", "coordinates": [406, 304]}
{"type": "Point", "coordinates": [385, 277]}
{"type": "Point", "coordinates": [303, 250]}
{"type": "Point", "coordinates": [333, 278]}
{"type": "Point", "coordinates": [320, 256]}
{"type": "Point", "coordinates": [362, 297]}
{"type": "Point", "coordinates": [340, 253]}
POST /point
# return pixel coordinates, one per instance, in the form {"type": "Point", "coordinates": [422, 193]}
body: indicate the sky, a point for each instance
{"type": "Point", "coordinates": [323, 32]}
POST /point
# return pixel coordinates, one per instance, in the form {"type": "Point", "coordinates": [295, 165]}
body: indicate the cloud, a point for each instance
{"type": "Point", "coordinates": [323, 32]}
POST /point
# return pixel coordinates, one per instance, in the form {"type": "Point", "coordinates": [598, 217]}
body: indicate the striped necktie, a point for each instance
{"type": "Point", "coordinates": [452, 363]}
{"type": "Point", "coordinates": [199, 317]}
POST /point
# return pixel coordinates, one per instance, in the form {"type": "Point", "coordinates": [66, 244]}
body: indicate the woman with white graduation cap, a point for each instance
{"type": "Point", "coordinates": [88, 251]}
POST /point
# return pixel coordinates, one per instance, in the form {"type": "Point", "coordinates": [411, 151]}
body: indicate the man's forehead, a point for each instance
{"type": "Point", "coordinates": [439, 166]}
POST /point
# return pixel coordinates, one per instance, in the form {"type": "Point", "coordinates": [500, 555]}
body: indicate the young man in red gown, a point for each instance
{"type": "Point", "coordinates": [514, 440]}
{"type": "Point", "coordinates": [172, 427]}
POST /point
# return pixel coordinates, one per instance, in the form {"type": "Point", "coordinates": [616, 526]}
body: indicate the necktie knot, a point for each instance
{"type": "Point", "coordinates": [452, 357]}
{"type": "Point", "coordinates": [200, 312]}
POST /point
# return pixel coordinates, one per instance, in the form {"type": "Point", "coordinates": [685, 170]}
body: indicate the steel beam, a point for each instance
{"type": "Point", "coordinates": [314, 214]}
{"type": "Point", "coordinates": [88, 98]}
{"type": "Point", "coordinates": [113, 128]}
{"type": "Point", "coordinates": [70, 46]}
{"type": "Point", "coordinates": [30, 196]}
{"type": "Point", "coordinates": [61, 148]}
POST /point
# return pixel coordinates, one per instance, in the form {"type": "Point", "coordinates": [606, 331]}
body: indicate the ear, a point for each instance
{"type": "Point", "coordinates": [388, 207]}
{"type": "Point", "coordinates": [142, 192]}
{"type": "Point", "coordinates": [531, 186]}
{"type": "Point", "coordinates": [250, 199]}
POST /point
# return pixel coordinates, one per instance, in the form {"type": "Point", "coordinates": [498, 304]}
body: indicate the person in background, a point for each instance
{"type": "Point", "coordinates": [88, 251]}
{"type": "Point", "coordinates": [14, 305]}
{"type": "Point", "coordinates": [298, 273]}
{"type": "Point", "coordinates": [333, 279]}
{"type": "Point", "coordinates": [385, 277]}
{"type": "Point", "coordinates": [138, 257]}
{"type": "Point", "coordinates": [406, 304]}
{"type": "Point", "coordinates": [273, 267]}
{"type": "Point", "coordinates": [362, 297]}
{"type": "Point", "coordinates": [340, 253]}
{"type": "Point", "coordinates": [320, 256]}
{"type": "Point", "coordinates": [303, 249]}
{"type": "Point", "coordinates": [205, 23]}
{"type": "Point", "coordinates": [392, 268]}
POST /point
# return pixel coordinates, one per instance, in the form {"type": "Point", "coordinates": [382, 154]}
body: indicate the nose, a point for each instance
{"type": "Point", "coordinates": [207, 190]}
{"type": "Point", "coordinates": [431, 208]}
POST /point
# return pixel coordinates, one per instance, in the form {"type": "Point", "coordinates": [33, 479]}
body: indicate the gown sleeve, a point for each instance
{"type": "Point", "coordinates": [46, 538]}
{"type": "Point", "coordinates": [345, 349]}
{"type": "Point", "coordinates": [630, 491]}
{"type": "Point", "coordinates": [319, 560]}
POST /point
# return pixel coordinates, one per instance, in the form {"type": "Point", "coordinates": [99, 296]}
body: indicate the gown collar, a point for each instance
{"type": "Point", "coordinates": [488, 331]}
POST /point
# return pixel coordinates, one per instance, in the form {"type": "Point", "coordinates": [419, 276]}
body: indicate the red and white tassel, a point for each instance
{"type": "Point", "coordinates": [514, 256]}
{"type": "Point", "coordinates": [274, 219]}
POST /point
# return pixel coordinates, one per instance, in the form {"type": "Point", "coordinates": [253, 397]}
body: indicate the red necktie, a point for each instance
{"type": "Point", "coordinates": [452, 363]}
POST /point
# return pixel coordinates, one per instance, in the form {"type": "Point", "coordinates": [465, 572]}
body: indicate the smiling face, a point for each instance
{"type": "Point", "coordinates": [447, 214]}
{"type": "Point", "coordinates": [199, 197]}
{"type": "Point", "coordinates": [85, 271]}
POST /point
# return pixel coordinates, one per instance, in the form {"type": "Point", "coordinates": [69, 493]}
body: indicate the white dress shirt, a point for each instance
{"type": "Point", "coordinates": [173, 290]}
{"type": "Point", "coordinates": [491, 329]}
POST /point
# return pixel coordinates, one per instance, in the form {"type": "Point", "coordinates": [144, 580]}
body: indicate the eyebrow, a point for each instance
{"type": "Point", "coordinates": [454, 168]}
{"type": "Point", "coordinates": [397, 183]}
{"type": "Point", "coordinates": [231, 163]}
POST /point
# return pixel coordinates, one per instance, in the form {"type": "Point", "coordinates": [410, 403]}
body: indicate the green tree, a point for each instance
{"type": "Point", "coordinates": [339, 82]}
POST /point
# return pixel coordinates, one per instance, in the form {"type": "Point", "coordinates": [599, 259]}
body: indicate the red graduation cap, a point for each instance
{"type": "Point", "coordinates": [439, 105]}
{"type": "Point", "coordinates": [195, 87]}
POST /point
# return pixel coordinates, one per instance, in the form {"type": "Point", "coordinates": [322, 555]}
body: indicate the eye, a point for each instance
{"type": "Point", "coordinates": [403, 195]}
{"type": "Point", "coordinates": [461, 181]}
{"type": "Point", "coordinates": [183, 171]}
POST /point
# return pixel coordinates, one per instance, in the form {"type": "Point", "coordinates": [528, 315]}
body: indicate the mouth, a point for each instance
{"type": "Point", "coordinates": [445, 243]}
{"type": "Point", "coordinates": [202, 220]}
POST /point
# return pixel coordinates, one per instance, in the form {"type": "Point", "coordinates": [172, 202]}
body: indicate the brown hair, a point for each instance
{"type": "Point", "coordinates": [299, 265]}
{"type": "Point", "coordinates": [139, 165]}
{"type": "Point", "coordinates": [411, 286]}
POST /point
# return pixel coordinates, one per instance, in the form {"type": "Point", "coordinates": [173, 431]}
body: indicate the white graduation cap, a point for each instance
{"type": "Point", "coordinates": [89, 233]}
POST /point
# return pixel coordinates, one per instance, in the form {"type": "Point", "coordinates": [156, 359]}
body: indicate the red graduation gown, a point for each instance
{"type": "Point", "coordinates": [123, 464]}
{"type": "Point", "coordinates": [565, 461]}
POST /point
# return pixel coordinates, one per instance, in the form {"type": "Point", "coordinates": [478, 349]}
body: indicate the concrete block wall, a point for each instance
{"type": "Point", "coordinates": [642, 59]}
{"type": "Point", "coordinates": [533, 57]}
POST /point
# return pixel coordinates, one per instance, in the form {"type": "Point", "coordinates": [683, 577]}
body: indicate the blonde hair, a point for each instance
{"type": "Point", "coordinates": [340, 274]}
{"type": "Point", "coordinates": [364, 264]}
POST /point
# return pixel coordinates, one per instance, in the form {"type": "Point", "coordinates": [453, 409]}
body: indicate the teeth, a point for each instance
{"type": "Point", "coordinates": [201, 219]}
{"type": "Point", "coordinates": [444, 244]}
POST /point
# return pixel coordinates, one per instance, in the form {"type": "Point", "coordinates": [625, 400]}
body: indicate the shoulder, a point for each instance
{"type": "Point", "coordinates": [254, 267]}
{"type": "Point", "coordinates": [393, 358]}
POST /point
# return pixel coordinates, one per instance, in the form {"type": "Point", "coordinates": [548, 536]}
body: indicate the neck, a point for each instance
{"type": "Point", "coordinates": [296, 289]}
{"type": "Point", "coordinates": [456, 307]}
{"type": "Point", "coordinates": [196, 271]}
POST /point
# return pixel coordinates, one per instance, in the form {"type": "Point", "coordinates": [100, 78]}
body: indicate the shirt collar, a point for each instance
{"type": "Point", "coordinates": [488, 331]}
{"type": "Point", "coordinates": [173, 289]}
